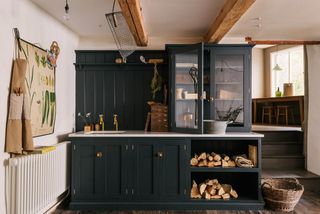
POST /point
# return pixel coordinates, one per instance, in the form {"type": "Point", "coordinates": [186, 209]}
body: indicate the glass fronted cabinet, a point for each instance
{"type": "Point", "coordinates": [230, 87]}
{"type": "Point", "coordinates": [210, 82]}
{"type": "Point", "coordinates": [186, 100]}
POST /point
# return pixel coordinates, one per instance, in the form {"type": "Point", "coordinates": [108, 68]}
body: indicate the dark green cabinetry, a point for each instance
{"type": "Point", "coordinates": [206, 81]}
{"type": "Point", "coordinates": [99, 170]}
{"type": "Point", "coordinates": [154, 173]}
{"type": "Point", "coordinates": [115, 169]}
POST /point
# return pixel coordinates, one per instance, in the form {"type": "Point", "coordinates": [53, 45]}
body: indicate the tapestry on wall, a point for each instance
{"type": "Point", "coordinates": [40, 85]}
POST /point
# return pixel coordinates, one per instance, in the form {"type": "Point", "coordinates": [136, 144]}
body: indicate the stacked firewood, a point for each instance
{"type": "Point", "coordinates": [212, 160]}
{"type": "Point", "coordinates": [212, 189]}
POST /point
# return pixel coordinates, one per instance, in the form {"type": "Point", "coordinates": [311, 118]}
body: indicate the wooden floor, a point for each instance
{"type": "Point", "coordinates": [308, 204]}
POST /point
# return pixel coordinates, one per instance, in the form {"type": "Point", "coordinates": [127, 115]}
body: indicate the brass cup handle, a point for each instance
{"type": "Point", "coordinates": [99, 154]}
{"type": "Point", "coordinates": [160, 155]}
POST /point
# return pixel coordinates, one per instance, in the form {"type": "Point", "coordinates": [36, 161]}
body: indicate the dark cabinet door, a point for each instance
{"type": "Point", "coordinates": [160, 169]}
{"type": "Point", "coordinates": [144, 174]}
{"type": "Point", "coordinates": [98, 169]}
{"type": "Point", "coordinates": [230, 86]}
{"type": "Point", "coordinates": [186, 88]}
{"type": "Point", "coordinates": [173, 163]}
{"type": "Point", "coordinates": [87, 171]}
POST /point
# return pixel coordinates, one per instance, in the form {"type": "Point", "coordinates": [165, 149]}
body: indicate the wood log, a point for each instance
{"type": "Point", "coordinates": [231, 163]}
{"type": "Point", "coordinates": [202, 156]}
{"type": "Point", "coordinates": [253, 154]}
{"type": "Point", "coordinates": [211, 190]}
{"type": "Point", "coordinates": [217, 157]}
{"type": "Point", "coordinates": [215, 181]}
{"type": "Point", "coordinates": [211, 182]}
{"type": "Point", "coordinates": [216, 197]}
{"type": "Point", "coordinates": [221, 191]}
{"type": "Point", "coordinates": [217, 163]}
{"type": "Point", "coordinates": [211, 164]}
{"type": "Point", "coordinates": [207, 195]}
{"type": "Point", "coordinates": [203, 163]}
{"type": "Point", "coordinates": [226, 196]}
{"type": "Point", "coordinates": [226, 158]}
{"type": "Point", "coordinates": [210, 158]}
{"type": "Point", "coordinates": [194, 162]}
{"type": "Point", "coordinates": [218, 186]}
{"type": "Point", "coordinates": [202, 188]}
{"type": "Point", "coordinates": [233, 193]}
{"type": "Point", "coordinates": [195, 191]}
{"type": "Point", "coordinates": [225, 163]}
{"type": "Point", "coordinates": [226, 187]}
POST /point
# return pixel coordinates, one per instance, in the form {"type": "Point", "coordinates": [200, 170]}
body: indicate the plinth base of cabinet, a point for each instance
{"type": "Point", "coordinates": [191, 205]}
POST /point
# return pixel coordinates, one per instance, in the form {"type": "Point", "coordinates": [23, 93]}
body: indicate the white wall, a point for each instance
{"type": "Point", "coordinates": [313, 134]}
{"type": "Point", "coordinates": [37, 27]}
{"type": "Point", "coordinates": [257, 73]}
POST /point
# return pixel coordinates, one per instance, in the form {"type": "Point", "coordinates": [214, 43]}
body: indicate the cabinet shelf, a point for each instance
{"type": "Point", "coordinates": [228, 83]}
{"type": "Point", "coordinates": [117, 64]}
{"type": "Point", "coordinates": [186, 99]}
{"type": "Point", "coordinates": [220, 169]}
{"type": "Point", "coordinates": [241, 199]}
{"type": "Point", "coordinates": [230, 99]}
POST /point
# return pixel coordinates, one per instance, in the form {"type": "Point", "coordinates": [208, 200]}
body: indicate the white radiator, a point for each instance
{"type": "Point", "coordinates": [35, 181]}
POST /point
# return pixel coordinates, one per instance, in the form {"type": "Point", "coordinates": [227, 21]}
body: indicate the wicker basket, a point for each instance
{"type": "Point", "coordinates": [282, 194]}
{"type": "Point", "coordinates": [159, 118]}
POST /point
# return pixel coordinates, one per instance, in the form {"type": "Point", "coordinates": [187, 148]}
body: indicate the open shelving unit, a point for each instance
{"type": "Point", "coordinates": [246, 181]}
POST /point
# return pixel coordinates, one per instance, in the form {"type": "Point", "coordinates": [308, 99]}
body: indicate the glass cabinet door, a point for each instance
{"type": "Point", "coordinates": [186, 86]}
{"type": "Point", "coordinates": [228, 83]}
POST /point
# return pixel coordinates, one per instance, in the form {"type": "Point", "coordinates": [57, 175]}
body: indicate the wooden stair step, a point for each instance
{"type": "Point", "coordinates": [282, 149]}
{"type": "Point", "coordinates": [283, 162]}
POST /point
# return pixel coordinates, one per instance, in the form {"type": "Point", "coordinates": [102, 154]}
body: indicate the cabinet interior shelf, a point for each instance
{"type": "Point", "coordinates": [230, 99]}
{"type": "Point", "coordinates": [118, 64]}
{"type": "Point", "coordinates": [242, 199]}
{"type": "Point", "coordinates": [228, 83]}
{"type": "Point", "coordinates": [186, 99]}
{"type": "Point", "coordinates": [220, 169]}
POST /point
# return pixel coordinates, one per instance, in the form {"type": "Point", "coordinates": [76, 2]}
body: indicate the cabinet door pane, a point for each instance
{"type": "Point", "coordinates": [229, 84]}
{"type": "Point", "coordinates": [186, 67]}
{"type": "Point", "coordinates": [186, 79]}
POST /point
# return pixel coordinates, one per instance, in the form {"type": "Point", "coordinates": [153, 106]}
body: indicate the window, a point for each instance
{"type": "Point", "coordinates": [291, 62]}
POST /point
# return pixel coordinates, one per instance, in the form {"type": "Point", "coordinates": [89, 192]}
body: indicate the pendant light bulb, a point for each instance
{"type": "Point", "coordinates": [66, 15]}
{"type": "Point", "coordinates": [277, 66]}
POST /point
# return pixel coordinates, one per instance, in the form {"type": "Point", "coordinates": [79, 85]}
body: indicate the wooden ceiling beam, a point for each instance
{"type": "Point", "coordinates": [131, 10]}
{"type": "Point", "coordinates": [280, 42]}
{"type": "Point", "coordinates": [230, 13]}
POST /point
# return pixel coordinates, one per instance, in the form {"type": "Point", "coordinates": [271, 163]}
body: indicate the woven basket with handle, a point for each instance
{"type": "Point", "coordinates": [282, 194]}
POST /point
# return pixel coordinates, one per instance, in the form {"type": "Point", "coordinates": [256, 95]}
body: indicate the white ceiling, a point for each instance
{"type": "Point", "coordinates": [280, 19]}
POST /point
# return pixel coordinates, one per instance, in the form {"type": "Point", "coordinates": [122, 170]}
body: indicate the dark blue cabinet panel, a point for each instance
{"type": "Point", "coordinates": [173, 169]}
{"type": "Point", "coordinates": [145, 172]}
{"type": "Point", "coordinates": [99, 170]}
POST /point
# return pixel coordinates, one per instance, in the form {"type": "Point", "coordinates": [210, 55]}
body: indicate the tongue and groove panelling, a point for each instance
{"type": "Point", "coordinates": [103, 87]}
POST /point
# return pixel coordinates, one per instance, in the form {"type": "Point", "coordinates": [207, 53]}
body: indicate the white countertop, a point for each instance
{"type": "Point", "coordinates": [168, 134]}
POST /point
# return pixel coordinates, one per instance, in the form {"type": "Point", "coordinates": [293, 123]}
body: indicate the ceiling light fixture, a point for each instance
{"type": "Point", "coordinates": [66, 15]}
{"type": "Point", "coordinates": [277, 66]}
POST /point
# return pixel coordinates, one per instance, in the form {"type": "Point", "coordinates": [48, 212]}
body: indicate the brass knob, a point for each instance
{"type": "Point", "coordinates": [211, 99]}
{"type": "Point", "coordinates": [160, 155]}
{"type": "Point", "coordinates": [99, 154]}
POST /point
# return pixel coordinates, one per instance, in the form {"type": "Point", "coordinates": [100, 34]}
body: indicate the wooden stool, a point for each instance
{"type": "Point", "coordinates": [267, 112]}
{"type": "Point", "coordinates": [283, 111]}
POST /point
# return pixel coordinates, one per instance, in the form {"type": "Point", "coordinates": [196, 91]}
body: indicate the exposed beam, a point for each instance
{"type": "Point", "coordinates": [280, 42]}
{"type": "Point", "coordinates": [132, 13]}
{"type": "Point", "coordinates": [230, 13]}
